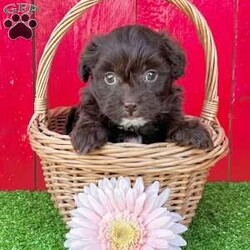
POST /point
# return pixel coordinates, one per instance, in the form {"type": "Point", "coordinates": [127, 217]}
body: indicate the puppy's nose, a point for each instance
{"type": "Point", "coordinates": [130, 107]}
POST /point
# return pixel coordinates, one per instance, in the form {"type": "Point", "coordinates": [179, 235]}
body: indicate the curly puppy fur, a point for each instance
{"type": "Point", "coordinates": [133, 107]}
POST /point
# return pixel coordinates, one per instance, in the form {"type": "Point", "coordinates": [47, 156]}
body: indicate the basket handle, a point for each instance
{"type": "Point", "coordinates": [210, 105]}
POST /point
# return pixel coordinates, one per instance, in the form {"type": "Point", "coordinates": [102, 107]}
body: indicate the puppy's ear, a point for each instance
{"type": "Point", "coordinates": [174, 56]}
{"type": "Point", "coordinates": [88, 60]}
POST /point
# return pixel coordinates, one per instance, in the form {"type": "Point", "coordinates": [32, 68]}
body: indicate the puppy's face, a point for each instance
{"type": "Point", "coordinates": [132, 70]}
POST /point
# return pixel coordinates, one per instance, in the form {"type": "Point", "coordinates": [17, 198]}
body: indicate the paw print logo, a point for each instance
{"type": "Point", "coordinates": [20, 26]}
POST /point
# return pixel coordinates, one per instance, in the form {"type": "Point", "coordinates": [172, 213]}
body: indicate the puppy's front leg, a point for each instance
{"type": "Point", "coordinates": [88, 135]}
{"type": "Point", "coordinates": [190, 133]}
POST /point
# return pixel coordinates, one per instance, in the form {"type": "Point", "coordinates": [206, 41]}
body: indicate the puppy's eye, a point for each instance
{"type": "Point", "coordinates": [110, 78]}
{"type": "Point", "coordinates": [151, 76]}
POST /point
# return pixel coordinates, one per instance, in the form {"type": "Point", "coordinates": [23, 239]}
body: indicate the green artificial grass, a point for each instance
{"type": "Point", "coordinates": [222, 221]}
{"type": "Point", "coordinates": [28, 220]}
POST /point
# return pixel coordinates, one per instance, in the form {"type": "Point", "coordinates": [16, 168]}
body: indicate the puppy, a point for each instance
{"type": "Point", "coordinates": [131, 94]}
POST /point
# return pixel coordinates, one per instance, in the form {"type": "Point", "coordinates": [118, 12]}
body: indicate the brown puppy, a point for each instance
{"type": "Point", "coordinates": [131, 94]}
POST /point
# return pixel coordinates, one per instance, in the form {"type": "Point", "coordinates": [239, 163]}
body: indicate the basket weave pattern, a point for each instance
{"type": "Point", "coordinates": [183, 169]}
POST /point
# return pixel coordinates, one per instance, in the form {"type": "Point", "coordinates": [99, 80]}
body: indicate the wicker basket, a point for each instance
{"type": "Point", "coordinates": [183, 169]}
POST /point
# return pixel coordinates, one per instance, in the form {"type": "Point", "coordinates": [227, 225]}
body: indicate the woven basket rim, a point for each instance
{"type": "Point", "coordinates": [46, 130]}
{"type": "Point", "coordinates": [61, 148]}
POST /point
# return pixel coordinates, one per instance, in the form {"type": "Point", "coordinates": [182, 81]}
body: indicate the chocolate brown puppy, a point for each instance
{"type": "Point", "coordinates": [131, 95]}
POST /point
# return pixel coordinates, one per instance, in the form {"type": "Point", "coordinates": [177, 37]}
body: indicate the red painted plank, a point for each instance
{"type": "Point", "coordinates": [241, 98]}
{"type": "Point", "coordinates": [16, 98]}
{"type": "Point", "coordinates": [159, 15]}
{"type": "Point", "coordinates": [64, 74]}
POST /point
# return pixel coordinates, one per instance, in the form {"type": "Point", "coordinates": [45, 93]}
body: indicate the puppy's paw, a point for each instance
{"type": "Point", "coordinates": [192, 133]}
{"type": "Point", "coordinates": [88, 138]}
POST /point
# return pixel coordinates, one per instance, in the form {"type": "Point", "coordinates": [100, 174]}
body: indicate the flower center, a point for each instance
{"type": "Point", "coordinates": [124, 235]}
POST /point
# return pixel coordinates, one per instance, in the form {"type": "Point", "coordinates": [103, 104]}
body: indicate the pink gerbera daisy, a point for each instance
{"type": "Point", "coordinates": [117, 216]}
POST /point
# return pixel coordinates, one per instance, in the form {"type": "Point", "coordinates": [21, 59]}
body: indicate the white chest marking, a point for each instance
{"type": "Point", "coordinates": [136, 122]}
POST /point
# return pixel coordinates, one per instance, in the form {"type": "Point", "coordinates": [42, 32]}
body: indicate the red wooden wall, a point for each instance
{"type": "Point", "coordinates": [229, 22]}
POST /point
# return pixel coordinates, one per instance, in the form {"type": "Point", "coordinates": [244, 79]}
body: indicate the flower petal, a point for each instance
{"type": "Point", "coordinates": [89, 214]}
{"type": "Point", "coordinates": [92, 247]}
{"type": "Point", "coordinates": [149, 205]}
{"type": "Point", "coordinates": [83, 200]}
{"type": "Point", "coordinates": [173, 248]}
{"type": "Point", "coordinates": [111, 198]}
{"type": "Point", "coordinates": [82, 222]}
{"type": "Point", "coordinates": [153, 188]}
{"type": "Point", "coordinates": [71, 237]}
{"type": "Point", "coordinates": [158, 243]}
{"type": "Point", "coordinates": [105, 202]}
{"type": "Point", "coordinates": [159, 223]}
{"type": "Point", "coordinates": [93, 189]}
{"type": "Point", "coordinates": [139, 203]}
{"type": "Point", "coordinates": [176, 217]}
{"type": "Point", "coordinates": [161, 233]}
{"type": "Point", "coordinates": [128, 182]}
{"type": "Point", "coordinates": [76, 213]}
{"type": "Point", "coordinates": [123, 185]}
{"type": "Point", "coordinates": [113, 181]}
{"type": "Point", "coordinates": [75, 244]}
{"type": "Point", "coordinates": [130, 202]}
{"type": "Point", "coordinates": [96, 206]}
{"type": "Point", "coordinates": [163, 197]}
{"type": "Point", "coordinates": [138, 186]}
{"type": "Point", "coordinates": [100, 184]}
{"type": "Point", "coordinates": [178, 228]}
{"type": "Point", "coordinates": [178, 241]}
{"type": "Point", "coordinates": [147, 247]}
{"type": "Point", "coordinates": [83, 233]}
{"type": "Point", "coordinates": [86, 190]}
{"type": "Point", "coordinates": [120, 200]}
{"type": "Point", "coordinates": [156, 213]}
{"type": "Point", "coordinates": [107, 183]}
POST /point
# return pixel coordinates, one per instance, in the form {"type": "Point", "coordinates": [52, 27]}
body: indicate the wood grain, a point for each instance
{"type": "Point", "coordinates": [16, 98]}
{"type": "Point", "coordinates": [240, 134]}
